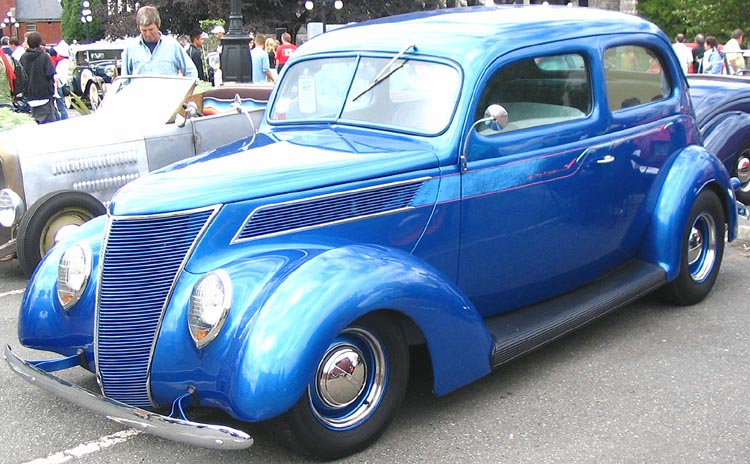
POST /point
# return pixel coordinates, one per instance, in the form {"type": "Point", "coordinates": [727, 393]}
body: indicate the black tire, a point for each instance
{"type": "Point", "coordinates": [45, 218]}
{"type": "Point", "coordinates": [329, 422]}
{"type": "Point", "coordinates": [742, 172]}
{"type": "Point", "coordinates": [702, 251]}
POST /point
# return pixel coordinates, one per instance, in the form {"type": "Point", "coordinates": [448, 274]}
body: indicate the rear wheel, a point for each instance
{"type": "Point", "coordinates": [702, 252]}
{"type": "Point", "coordinates": [41, 225]}
{"type": "Point", "coordinates": [358, 385]}
{"type": "Point", "coordinates": [742, 172]}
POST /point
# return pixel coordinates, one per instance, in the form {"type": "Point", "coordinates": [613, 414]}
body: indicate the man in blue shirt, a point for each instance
{"type": "Point", "coordinates": [154, 53]}
{"type": "Point", "coordinates": [260, 64]}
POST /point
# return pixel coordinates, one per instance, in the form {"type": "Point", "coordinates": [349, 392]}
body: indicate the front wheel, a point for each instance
{"type": "Point", "coordinates": [40, 227]}
{"type": "Point", "coordinates": [358, 385]}
{"type": "Point", "coordinates": [702, 252]}
{"type": "Point", "coordinates": [94, 98]}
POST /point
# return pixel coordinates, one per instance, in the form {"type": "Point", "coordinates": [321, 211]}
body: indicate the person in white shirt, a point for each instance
{"type": "Point", "coordinates": [683, 52]}
{"type": "Point", "coordinates": [733, 52]}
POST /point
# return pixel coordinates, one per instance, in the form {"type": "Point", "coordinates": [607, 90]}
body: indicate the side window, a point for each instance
{"type": "Point", "coordinates": [539, 91]}
{"type": "Point", "coordinates": [635, 76]}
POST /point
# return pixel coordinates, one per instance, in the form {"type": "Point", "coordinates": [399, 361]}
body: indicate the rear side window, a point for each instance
{"type": "Point", "coordinates": [635, 76]}
{"type": "Point", "coordinates": [539, 91]}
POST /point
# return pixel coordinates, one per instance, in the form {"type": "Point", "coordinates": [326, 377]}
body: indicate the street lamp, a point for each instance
{"type": "Point", "coordinates": [86, 17]}
{"type": "Point", "coordinates": [10, 22]}
{"type": "Point", "coordinates": [337, 4]}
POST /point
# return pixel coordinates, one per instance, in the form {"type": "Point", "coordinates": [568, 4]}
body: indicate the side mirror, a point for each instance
{"type": "Point", "coordinates": [496, 117]}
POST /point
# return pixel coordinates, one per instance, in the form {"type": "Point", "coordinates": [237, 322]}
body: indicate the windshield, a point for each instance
{"type": "Point", "coordinates": [412, 95]}
{"type": "Point", "coordinates": [146, 99]}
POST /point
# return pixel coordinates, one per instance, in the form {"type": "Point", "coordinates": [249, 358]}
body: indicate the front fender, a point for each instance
{"type": "Point", "coordinates": [278, 330]}
{"type": "Point", "coordinates": [690, 172]}
{"type": "Point", "coordinates": [314, 303]}
{"type": "Point", "coordinates": [43, 324]}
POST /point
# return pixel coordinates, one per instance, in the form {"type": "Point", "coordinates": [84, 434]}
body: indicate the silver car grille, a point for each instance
{"type": "Point", "coordinates": [309, 213]}
{"type": "Point", "coordinates": [140, 264]}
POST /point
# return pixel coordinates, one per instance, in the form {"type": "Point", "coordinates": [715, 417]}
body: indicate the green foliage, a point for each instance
{"type": "Point", "coordinates": [74, 29]}
{"type": "Point", "coordinates": [10, 119]}
{"type": "Point", "coordinates": [181, 16]}
{"type": "Point", "coordinates": [79, 105]}
{"type": "Point", "coordinates": [708, 17]}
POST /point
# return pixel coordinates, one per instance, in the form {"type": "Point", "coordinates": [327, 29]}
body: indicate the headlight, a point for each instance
{"type": "Point", "coordinates": [73, 274]}
{"type": "Point", "coordinates": [11, 208]}
{"type": "Point", "coordinates": [109, 70]}
{"type": "Point", "coordinates": [209, 306]}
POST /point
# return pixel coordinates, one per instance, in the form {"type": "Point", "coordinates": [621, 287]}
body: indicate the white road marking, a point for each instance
{"type": "Point", "coordinates": [12, 292]}
{"type": "Point", "coordinates": [87, 448]}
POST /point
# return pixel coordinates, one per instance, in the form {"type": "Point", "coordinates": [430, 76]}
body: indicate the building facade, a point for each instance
{"type": "Point", "coordinates": [22, 16]}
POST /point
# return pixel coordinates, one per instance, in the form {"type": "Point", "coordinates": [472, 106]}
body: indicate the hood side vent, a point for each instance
{"type": "Point", "coordinates": [308, 213]}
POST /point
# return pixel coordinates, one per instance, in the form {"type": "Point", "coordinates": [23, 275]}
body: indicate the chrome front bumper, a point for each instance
{"type": "Point", "coordinates": [192, 433]}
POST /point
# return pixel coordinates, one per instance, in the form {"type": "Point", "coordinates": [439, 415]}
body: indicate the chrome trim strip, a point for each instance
{"type": "Point", "coordinates": [235, 240]}
{"type": "Point", "coordinates": [210, 218]}
{"type": "Point", "coordinates": [183, 431]}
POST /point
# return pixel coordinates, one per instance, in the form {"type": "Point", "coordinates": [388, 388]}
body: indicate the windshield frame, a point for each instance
{"type": "Point", "coordinates": [340, 119]}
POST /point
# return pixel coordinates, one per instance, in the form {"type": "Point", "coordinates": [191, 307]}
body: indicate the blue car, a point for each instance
{"type": "Point", "coordinates": [455, 179]}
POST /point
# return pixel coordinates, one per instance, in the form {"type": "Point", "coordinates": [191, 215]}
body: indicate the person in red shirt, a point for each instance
{"type": "Point", "coordinates": [284, 51]}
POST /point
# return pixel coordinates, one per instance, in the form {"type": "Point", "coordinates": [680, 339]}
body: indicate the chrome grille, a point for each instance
{"type": "Point", "coordinates": [140, 263]}
{"type": "Point", "coordinates": [324, 210]}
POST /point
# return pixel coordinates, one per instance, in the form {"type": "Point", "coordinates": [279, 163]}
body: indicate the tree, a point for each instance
{"type": "Point", "coordinates": [712, 17]}
{"type": "Point", "coordinates": [72, 26]}
{"type": "Point", "coordinates": [181, 16]}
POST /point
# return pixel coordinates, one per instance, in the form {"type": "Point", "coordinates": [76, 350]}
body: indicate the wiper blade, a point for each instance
{"type": "Point", "coordinates": [387, 70]}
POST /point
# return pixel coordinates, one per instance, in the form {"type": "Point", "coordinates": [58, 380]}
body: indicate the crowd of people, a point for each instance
{"type": "Point", "coordinates": [706, 56]}
{"type": "Point", "coordinates": [41, 74]}
{"type": "Point", "coordinates": [34, 77]}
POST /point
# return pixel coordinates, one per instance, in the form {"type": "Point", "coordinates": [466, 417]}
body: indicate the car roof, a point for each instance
{"type": "Point", "coordinates": [456, 33]}
{"type": "Point", "coordinates": [119, 45]}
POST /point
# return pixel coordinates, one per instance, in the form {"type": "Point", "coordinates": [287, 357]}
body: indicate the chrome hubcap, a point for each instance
{"type": "Point", "coordinates": [350, 380]}
{"type": "Point", "coordinates": [342, 377]}
{"type": "Point", "coordinates": [702, 244]}
{"type": "Point", "coordinates": [743, 172]}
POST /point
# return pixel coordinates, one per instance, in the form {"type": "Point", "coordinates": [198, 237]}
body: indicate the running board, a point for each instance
{"type": "Point", "coordinates": [526, 329]}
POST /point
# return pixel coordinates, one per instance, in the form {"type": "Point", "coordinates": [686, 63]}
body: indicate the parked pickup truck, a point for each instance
{"type": "Point", "coordinates": [480, 180]}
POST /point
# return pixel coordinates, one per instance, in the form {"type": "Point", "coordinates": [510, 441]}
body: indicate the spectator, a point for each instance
{"type": "Point", "coordinates": [5, 44]}
{"type": "Point", "coordinates": [17, 48]}
{"type": "Point", "coordinates": [683, 52]}
{"type": "Point", "coordinates": [271, 50]}
{"type": "Point", "coordinates": [712, 62]}
{"type": "Point", "coordinates": [155, 53]}
{"type": "Point", "coordinates": [218, 32]}
{"type": "Point", "coordinates": [733, 52]}
{"type": "Point", "coordinates": [260, 67]}
{"type": "Point", "coordinates": [62, 71]}
{"type": "Point", "coordinates": [284, 51]}
{"type": "Point", "coordinates": [7, 76]}
{"type": "Point", "coordinates": [698, 52]}
{"type": "Point", "coordinates": [195, 52]}
{"type": "Point", "coordinates": [40, 89]}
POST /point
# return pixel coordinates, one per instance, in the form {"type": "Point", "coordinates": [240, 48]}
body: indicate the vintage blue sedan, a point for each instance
{"type": "Point", "coordinates": [454, 178]}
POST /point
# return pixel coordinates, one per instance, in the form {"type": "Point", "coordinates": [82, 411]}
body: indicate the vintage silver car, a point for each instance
{"type": "Point", "coordinates": [64, 173]}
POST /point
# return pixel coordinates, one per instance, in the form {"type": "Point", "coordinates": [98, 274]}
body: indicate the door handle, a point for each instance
{"type": "Point", "coordinates": [606, 160]}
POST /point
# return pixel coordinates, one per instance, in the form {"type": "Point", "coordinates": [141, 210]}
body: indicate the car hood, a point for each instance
{"type": "Point", "coordinates": [270, 165]}
{"type": "Point", "coordinates": [70, 135]}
